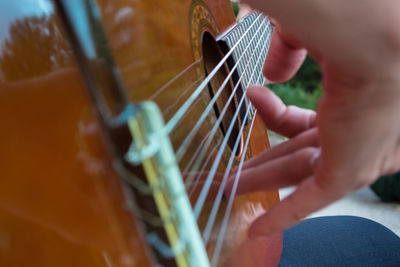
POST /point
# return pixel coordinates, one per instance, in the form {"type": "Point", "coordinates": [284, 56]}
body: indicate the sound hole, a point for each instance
{"type": "Point", "coordinates": [212, 56]}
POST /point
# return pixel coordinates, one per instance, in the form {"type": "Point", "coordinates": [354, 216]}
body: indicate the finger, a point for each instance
{"type": "Point", "coordinates": [308, 138]}
{"type": "Point", "coordinates": [288, 121]}
{"type": "Point", "coordinates": [196, 185]}
{"type": "Point", "coordinates": [309, 197]}
{"type": "Point", "coordinates": [244, 10]}
{"type": "Point", "coordinates": [281, 172]}
{"type": "Point", "coordinates": [288, 12]}
{"type": "Point", "coordinates": [283, 59]}
{"type": "Point", "coordinates": [252, 252]}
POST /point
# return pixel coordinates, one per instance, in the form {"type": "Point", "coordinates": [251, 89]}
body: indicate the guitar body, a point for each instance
{"type": "Point", "coordinates": [62, 203]}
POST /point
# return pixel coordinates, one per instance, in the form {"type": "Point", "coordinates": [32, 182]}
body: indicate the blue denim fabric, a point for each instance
{"type": "Point", "coordinates": [340, 241]}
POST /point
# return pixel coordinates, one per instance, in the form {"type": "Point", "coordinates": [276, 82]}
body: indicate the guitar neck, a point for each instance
{"type": "Point", "coordinates": [249, 34]}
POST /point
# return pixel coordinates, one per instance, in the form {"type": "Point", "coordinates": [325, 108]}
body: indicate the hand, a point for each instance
{"type": "Point", "coordinates": [244, 10]}
{"type": "Point", "coordinates": [355, 135]}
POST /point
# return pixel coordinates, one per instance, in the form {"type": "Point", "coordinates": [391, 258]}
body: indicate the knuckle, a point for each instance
{"type": "Point", "coordinates": [392, 34]}
{"type": "Point", "coordinates": [296, 216]}
{"type": "Point", "coordinates": [389, 36]}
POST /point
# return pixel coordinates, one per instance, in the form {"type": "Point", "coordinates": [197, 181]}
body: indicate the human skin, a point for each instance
{"type": "Point", "coordinates": [354, 137]}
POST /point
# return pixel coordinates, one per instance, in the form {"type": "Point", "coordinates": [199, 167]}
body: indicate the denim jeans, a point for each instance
{"type": "Point", "coordinates": [340, 241]}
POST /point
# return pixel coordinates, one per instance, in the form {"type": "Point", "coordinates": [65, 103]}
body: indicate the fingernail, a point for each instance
{"type": "Point", "coordinates": [273, 21]}
{"type": "Point", "coordinates": [266, 81]}
{"type": "Point", "coordinates": [315, 157]}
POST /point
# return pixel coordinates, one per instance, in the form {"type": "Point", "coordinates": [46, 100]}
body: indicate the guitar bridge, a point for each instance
{"type": "Point", "coordinates": [152, 149]}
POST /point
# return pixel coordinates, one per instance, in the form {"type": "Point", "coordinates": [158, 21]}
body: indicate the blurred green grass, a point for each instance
{"type": "Point", "coordinates": [235, 7]}
{"type": "Point", "coordinates": [304, 89]}
{"type": "Point", "coordinates": [296, 95]}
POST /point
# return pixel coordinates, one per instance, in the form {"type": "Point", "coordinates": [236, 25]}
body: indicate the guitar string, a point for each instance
{"type": "Point", "coordinates": [210, 223]}
{"type": "Point", "coordinates": [216, 126]}
{"type": "Point", "coordinates": [167, 110]}
{"type": "Point", "coordinates": [249, 106]}
{"type": "Point", "coordinates": [165, 86]}
{"type": "Point", "coordinates": [199, 147]}
{"type": "Point", "coordinates": [206, 187]}
{"type": "Point", "coordinates": [189, 110]}
{"type": "Point", "coordinates": [208, 181]}
{"type": "Point", "coordinates": [234, 150]}
{"type": "Point", "coordinates": [247, 113]}
{"type": "Point", "coordinates": [251, 126]}
{"type": "Point", "coordinates": [191, 188]}
{"type": "Point", "coordinates": [217, 201]}
{"type": "Point", "coordinates": [197, 180]}
{"type": "Point", "coordinates": [187, 169]}
{"type": "Point", "coordinates": [217, 250]}
{"type": "Point", "coordinates": [178, 115]}
{"type": "Point", "coordinates": [185, 144]}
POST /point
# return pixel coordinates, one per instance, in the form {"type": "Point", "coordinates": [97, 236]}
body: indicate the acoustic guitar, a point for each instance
{"type": "Point", "coordinates": [122, 121]}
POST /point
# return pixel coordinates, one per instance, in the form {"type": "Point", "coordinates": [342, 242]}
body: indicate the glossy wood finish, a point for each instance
{"type": "Point", "coordinates": [61, 203]}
